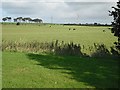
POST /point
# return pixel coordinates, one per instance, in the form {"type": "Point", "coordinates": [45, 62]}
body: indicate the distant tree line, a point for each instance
{"type": "Point", "coordinates": [87, 24]}
{"type": "Point", "coordinates": [22, 19]}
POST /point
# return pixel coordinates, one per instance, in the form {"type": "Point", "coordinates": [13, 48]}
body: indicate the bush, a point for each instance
{"type": "Point", "coordinates": [17, 23]}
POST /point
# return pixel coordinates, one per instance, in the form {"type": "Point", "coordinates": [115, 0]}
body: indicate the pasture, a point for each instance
{"type": "Point", "coordinates": [84, 35]}
{"type": "Point", "coordinates": [44, 70]}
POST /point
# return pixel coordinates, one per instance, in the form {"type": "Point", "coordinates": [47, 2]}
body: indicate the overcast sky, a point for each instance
{"type": "Point", "coordinates": [59, 11]}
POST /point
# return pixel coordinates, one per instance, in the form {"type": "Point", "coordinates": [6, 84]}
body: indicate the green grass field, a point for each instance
{"type": "Point", "coordinates": [23, 70]}
{"type": "Point", "coordinates": [85, 35]}
{"type": "Point", "coordinates": [29, 70]}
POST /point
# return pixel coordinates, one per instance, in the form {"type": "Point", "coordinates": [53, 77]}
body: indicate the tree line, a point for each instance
{"type": "Point", "coordinates": [22, 19]}
{"type": "Point", "coordinates": [89, 24]}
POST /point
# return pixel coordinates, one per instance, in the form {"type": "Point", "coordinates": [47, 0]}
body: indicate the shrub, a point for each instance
{"type": "Point", "coordinates": [17, 23]}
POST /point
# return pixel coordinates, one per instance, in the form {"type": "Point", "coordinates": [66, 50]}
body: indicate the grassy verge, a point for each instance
{"type": "Point", "coordinates": [22, 70]}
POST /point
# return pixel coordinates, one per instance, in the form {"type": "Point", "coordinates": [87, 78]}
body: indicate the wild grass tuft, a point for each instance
{"type": "Point", "coordinates": [58, 48]}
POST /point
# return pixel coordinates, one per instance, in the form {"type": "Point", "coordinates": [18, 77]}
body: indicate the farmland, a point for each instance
{"type": "Point", "coordinates": [56, 71]}
{"type": "Point", "coordinates": [85, 35]}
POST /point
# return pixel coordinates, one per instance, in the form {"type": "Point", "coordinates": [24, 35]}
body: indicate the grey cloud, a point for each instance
{"type": "Point", "coordinates": [19, 9]}
{"type": "Point", "coordinates": [61, 0]}
{"type": "Point", "coordinates": [61, 11]}
{"type": "Point", "coordinates": [91, 9]}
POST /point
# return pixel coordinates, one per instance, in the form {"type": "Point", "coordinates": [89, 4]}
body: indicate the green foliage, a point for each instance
{"type": "Point", "coordinates": [4, 19]}
{"type": "Point", "coordinates": [17, 23]}
{"type": "Point", "coordinates": [58, 48]}
{"type": "Point", "coordinates": [116, 23]}
{"type": "Point", "coordinates": [101, 51]}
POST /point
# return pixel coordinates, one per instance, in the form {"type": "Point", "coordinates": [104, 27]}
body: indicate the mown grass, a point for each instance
{"type": "Point", "coordinates": [28, 70]}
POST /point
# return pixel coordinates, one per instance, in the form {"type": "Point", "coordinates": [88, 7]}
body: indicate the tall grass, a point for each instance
{"type": "Point", "coordinates": [58, 48]}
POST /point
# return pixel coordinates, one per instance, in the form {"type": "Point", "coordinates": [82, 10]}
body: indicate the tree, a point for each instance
{"type": "Point", "coordinates": [38, 20]}
{"type": "Point", "coordinates": [15, 20]}
{"type": "Point", "coordinates": [27, 19]}
{"type": "Point", "coordinates": [95, 24]}
{"type": "Point", "coordinates": [30, 20]}
{"type": "Point", "coordinates": [19, 18]}
{"type": "Point", "coordinates": [23, 19]}
{"type": "Point", "coordinates": [4, 19]}
{"type": "Point", "coordinates": [116, 23]}
{"type": "Point", "coordinates": [9, 19]}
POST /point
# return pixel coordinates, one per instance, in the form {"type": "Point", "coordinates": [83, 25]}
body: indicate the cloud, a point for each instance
{"type": "Point", "coordinates": [59, 0]}
{"type": "Point", "coordinates": [61, 11]}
